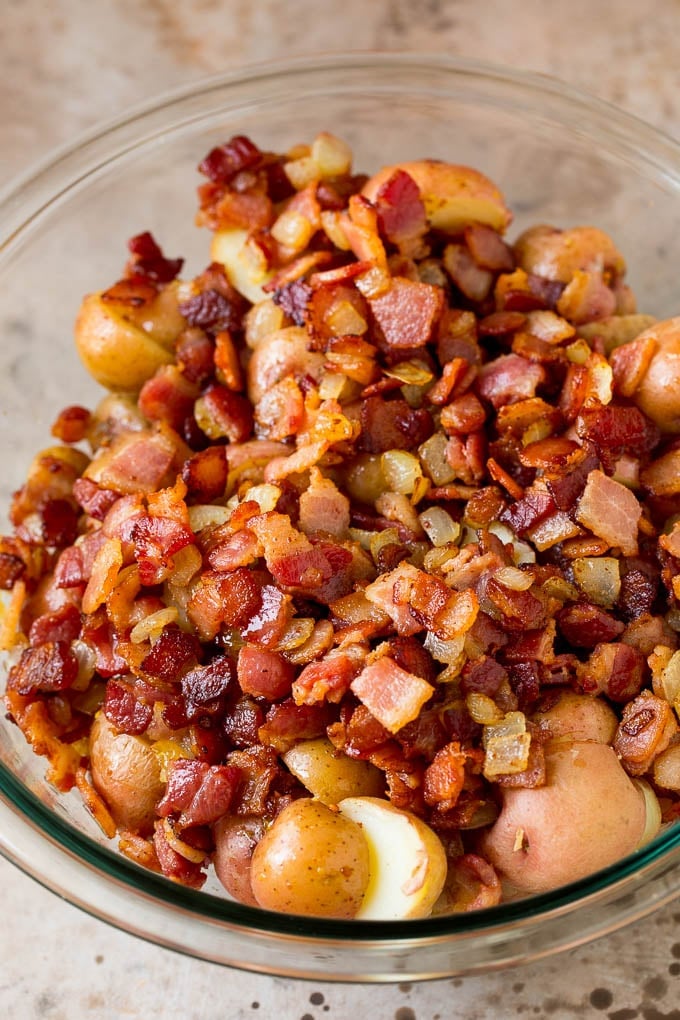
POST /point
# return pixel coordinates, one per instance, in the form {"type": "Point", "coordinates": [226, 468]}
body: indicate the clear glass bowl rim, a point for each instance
{"type": "Point", "coordinates": [22, 201]}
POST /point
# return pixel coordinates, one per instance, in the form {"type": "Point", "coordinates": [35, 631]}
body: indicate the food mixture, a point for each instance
{"type": "Point", "coordinates": [362, 582]}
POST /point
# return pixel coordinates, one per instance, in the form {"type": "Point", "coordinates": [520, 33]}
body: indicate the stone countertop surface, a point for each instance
{"type": "Point", "coordinates": [70, 63]}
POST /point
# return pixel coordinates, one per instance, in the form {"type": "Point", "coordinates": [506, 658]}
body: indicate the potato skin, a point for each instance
{"type": "Point", "coordinates": [312, 861]}
{"type": "Point", "coordinates": [579, 717]}
{"type": "Point", "coordinates": [587, 816]}
{"type": "Point", "coordinates": [126, 772]}
{"type": "Point", "coordinates": [235, 840]}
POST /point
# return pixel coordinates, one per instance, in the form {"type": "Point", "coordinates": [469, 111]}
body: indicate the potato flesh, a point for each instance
{"type": "Point", "coordinates": [312, 861]}
{"type": "Point", "coordinates": [579, 717]}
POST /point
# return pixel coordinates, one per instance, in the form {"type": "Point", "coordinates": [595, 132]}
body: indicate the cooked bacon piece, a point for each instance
{"type": "Point", "coordinates": [95, 501]}
{"type": "Point", "coordinates": [206, 689]}
{"type": "Point", "coordinates": [630, 362]}
{"type": "Point", "coordinates": [173, 864]}
{"type": "Point", "coordinates": [222, 414]}
{"type": "Point", "coordinates": [62, 624]}
{"type": "Point", "coordinates": [168, 396]}
{"type": "Point", "coordinates": [205, 474]}
{"type": "Point", "coordinates": [330, 678]}
{"type": "Point", "coordinates": [156, 540]}
{"type": "Point", "coordinates": [509, 379]}
{"type": "Point", "coordinates": [610, 511]}
{"type": "Point", "coordinates": [149, 261]}
{"type": "Point", "coordinates": [535, 505]}
{"type": "Point", "coordinates": [124, 709]}
{"type": "Point", "coordinates": [444, 777]}
{"type": "Point", "coordinates": [488, 248]}
{"type": "Point", "coordinates": [566, 486]}
{"type": "Point", "coordinates": [201, 793]}
{"type": "Point", "coordinates": [662, 477]}
{"type": "Point", "coordinates": [71, 424]}
{"type": "Point", "coordinates": [391, 694]}
{"type": "Point", "coordinates": [484, 675]}
{"type": "Point", "coordinates": [291, 558]}
{"type": "Point", "coordinates": [393, 425]}
{"type": "Point", "coordinates": [135, 463]}
{"type": "Point", "coordinates": [49, 667]}
{"type": "Point", "coordinates": [618, 670]}
{"type": "Point", "coordinates": [464, 414]}
{"type": "Point", "coordinates": [647, 727]}
{"type": "Point", "coordinates": [264, 673]}
{"type": "Point", "coordinates": [241, 722]}
{"type": "Point", "coordinates": [171, 655]}
{"type": "Point", "coordinates": [519, 609]}
{"type": "Point", "coordinates": [239, 550]}
{"type": "Point", "coordinates": [585, 625]}
{"type": "Point", "coordinates": [194, 355]}
{"type": "Point", "coordinates": [43, 734]}
{"type": "Point", "coordinates": [232, 598]}
{"type": "Point", "coordinates": [616, 429]}
{"type": "Point", "coordinates": [408, 312]}
{"type": "Point", "coordinates": [286, 723]}
{"type": "Point", "coordinates": [401, 213]}
{"type": "Point", "coordinates": [323, 507]}
{"type": "Point", "coordinates": [225, 161]}
{"type": "Point", "coordinates": [470, 279]}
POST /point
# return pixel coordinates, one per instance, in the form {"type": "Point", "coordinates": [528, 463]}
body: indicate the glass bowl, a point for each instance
{"type": "Point", "coordinates": [559, 157]}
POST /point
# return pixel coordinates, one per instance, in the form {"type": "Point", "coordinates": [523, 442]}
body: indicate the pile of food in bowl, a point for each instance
{"type": "Point", "coordinates": [361, 584]}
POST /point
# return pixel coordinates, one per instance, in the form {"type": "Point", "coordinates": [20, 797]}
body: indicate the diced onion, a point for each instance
{"type": "Point", "coordinates": [483, 709]}
{"type": "Point", "coordinates": [332, 155]}
{"type": "Point", "coordinates": [301, 172]}
{"type": "Point", "coordinates": [439, 526]}
{"type": "Point", "coordinates": [379, 539]}
{"type": "Point", "coordinates": [578, 352]}
{"type": "Point", "coordinates": [152, 625]}
{"type": "Point", "coordinates": [599, 578]}
{"type": "Point", "coordinates": [450, 652]}
{"type": "Point", "coordinates": [293, 230]}
{"type": "Point", "coordinates": [266, 496]}
{"type": "Point", "coordinates": [296, 633]}
{"type": "Point", "coordinates": [262, 320]}
{"type": "Point", "coordinates": [549, 326]}
{"type": "Point", "coordinates": [412, 373]}
{"type": "Point", "coordinates": [432, 455]}
{"type": "Point", "coordinates": [401, 471]}
{"type": "Point", "coordinates": [206, 515]}
{"type": "Point", "coordinates": [331, 386]}
{"type": "Point", "coordinates": [344, 320]}
{"type": "Point", "coordinates": [514, 579]}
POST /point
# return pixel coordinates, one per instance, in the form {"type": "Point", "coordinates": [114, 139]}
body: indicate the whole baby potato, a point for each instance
{"type": "Point", "coordinates": [236, 837]}
{"type": "Point", "coordinates": [126, 772]}
{"type": "Point", "coordinates": [312, 861]}
{"type": "Point", "coordinates": [588, 815]}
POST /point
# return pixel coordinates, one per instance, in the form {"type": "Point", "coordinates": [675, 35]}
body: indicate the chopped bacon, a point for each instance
{"type": "Point", "coordinates": [401, 212]}
{"type": "Point", "coordinates": [393, 425]}
{"type": "Point", "coordinates": [444, 777]}
{"type": "Point", "coordinates": [95, 501]}
{"type": "Point", "coordinates": [323, 507]}
{"type": "Point", "coordinates": [225, 161]}
{"type": "Point", "coordinates": [391, 694]}
{"type": "Point", "coordinates": [156, 540]}
{"type": "Point", "coordinates": [62, 624]}
{"type": "Point", "coordinates": [223, 414]}
{"type": "Point", "coordinates": [610, 511]}
{"type": "Point", "coordinates": [168, 396]}
{"type": "Point", "coordinates": [171, 655]}
{"type": "Point", "coordinates": [201, 793]}
{"type": "Point", "coordinates": [124, 709]}
{"type": "Point", "coordinates": [231, 598]}
{"type": "Point", "coordinates": [71, 424]}
{"type": "Point", "coordinates": [488, 248]}
{"type": "Point", "coordinates": [47, 668]}
{"type": "Point", "coordinates": [135, 463]}
{"type": "Point", "coordinates": [239, 550]}
{"type": "Point", "coordinates": [264, 673]}
{"type": "Point", "coordinates": [287, 723]}
{"type": "Point", "coordinates": [535, 505]}
{"type": "Point", "coordinates": [408, 312]}
{"type": "Point", "coordinates": [149, 261]}
{"type": "Point", "coordinates": [618, 670]}
{"type": "Point", "coordinates": [585, 625]}
{"type": "Point", "coordinates": [330, 678]}
{"type": "Point", "coordinates": [173, 864]}
{"type": "Point", "coordinates": [509, 379]}
{"type": "Point", "coordinates": [206, 689]}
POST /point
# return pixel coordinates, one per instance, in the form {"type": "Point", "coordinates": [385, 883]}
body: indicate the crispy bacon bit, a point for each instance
{"type": "Point", "coordinates": [174, 865]}
{"type": "Point", "coordinates": [393, 425]}
{"type": "Point", "coordinates": [264, 673]}
{"type": "Point", "coordinates": [329, 679]}
{"type": "Point", "coordinates": [124, 709]}
{"type": "Point", "coordinates": [610, 511]}
{"type": "Point", "coordinates": [201, 793]}
{"type": "Point", "coordinates": [401, 212]}
{"type": "Point", "coordinates": [647, 727]}
{"type": "Point", "coordinates": [293, 298]}
{"type": "Point", "coordinates": [287, 723]}
{"type": "Point", "coordinates": [225, 161]}
{"type": "Point", "coordinates": [62, 624]}
{"type": "Point", "coordinates": [618, 670]}
{"type": "Point", "coordinates": [71, 424]}
{"type": "Point", "coordinates": [222, 414]}
{"type": "Point", "coordinates": [391, 694]}
{"type": "Point", "coordinates": [508, 379]}
{"type": "Point", "coordinates": [172, 655]}
{"type": "Point", "coordinates": [585, 625]}
{"type": "Point", "coordinates": [149, 261]}
{"type": "Point", "coordinates": [408, 312]}
{"type": "Point", "coordinates": [444, 777]}
{"type": "Point", "coordinates": [49, 667]}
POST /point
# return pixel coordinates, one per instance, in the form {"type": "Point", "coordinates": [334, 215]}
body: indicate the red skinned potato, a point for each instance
{"type": "Point", "coordinates": [235, 840]}
{"type": "Point", "coordinates": [126, 772]}
{"type": "Point", "coordinates": [588, 815]}
{"type": "Point", "coordinates": [578, 717]}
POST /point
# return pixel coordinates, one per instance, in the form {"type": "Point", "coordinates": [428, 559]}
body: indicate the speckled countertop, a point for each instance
{"type": "Point", "coordinates": [66, 64]}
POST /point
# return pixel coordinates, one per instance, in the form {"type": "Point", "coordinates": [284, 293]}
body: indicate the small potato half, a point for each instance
{"type": "Point", "coordinates": [658, 393]}
{"type": "Point", "coordinates": [126, 772]}
{"type": "Point", "coordinates": [312, 861]}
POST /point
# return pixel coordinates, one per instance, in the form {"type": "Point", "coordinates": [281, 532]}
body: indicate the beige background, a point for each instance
{"type": "Point", "coordinates": [66, 64]}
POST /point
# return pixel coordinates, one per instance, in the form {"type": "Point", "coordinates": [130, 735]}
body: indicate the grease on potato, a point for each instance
{"type": "Point", "coordinates": [126, 772]}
